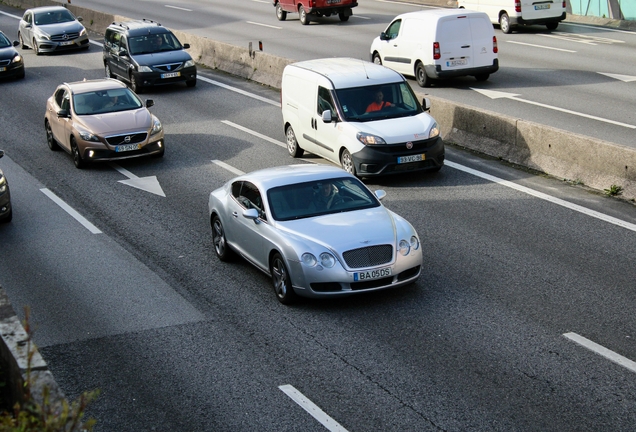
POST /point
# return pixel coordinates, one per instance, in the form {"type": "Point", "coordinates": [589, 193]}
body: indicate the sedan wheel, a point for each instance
{"type": "Point", "coordinates": [77, 157]}
{"type": "Point", "coordinates": [347, 162]}
{"type": "Point", "coordinates": [221, 248]}
{"type": "Point", "coordinates": [282, 283]}
{"type": "Point", "coordinates": [50, 139]}
{"type": "Point", "coordinates": [35, 48]}
{"type": "Point", "coordinates": [292, 143]}
{"type": "Point", "coordinates": [22, 44]}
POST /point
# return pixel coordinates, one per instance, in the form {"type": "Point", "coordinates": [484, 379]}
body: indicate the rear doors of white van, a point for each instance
{"type": "Point", "coordinates": [465, 41]}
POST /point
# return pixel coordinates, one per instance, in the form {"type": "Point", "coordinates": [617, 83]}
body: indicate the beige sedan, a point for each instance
{"type": "Point", "coordinates": [101, 120]}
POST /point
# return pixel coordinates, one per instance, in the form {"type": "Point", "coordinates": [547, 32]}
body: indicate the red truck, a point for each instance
{"type": "Point", "coordinates": [308, 9]}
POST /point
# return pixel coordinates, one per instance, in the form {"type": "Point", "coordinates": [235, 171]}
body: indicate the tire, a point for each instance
{"type": "Point", "coordinates": [420, 75]}
{"type": "Point", "coordinates": [22, 44]}
{"type": "Point", "coordinates": [50, 140]}
{"type": "Point", "coordinates": [221, 248]}
{"type": "Point", "coordinates": [134, 85]}
{"type": "Point", "coordinates": [292, 143]}
{"type": "Point", "coordinates": [77, 157]}
{"type": "Point", "coordinates": [191, 83]}
{"type": "Point", "coordinates": [376, 59]}
{"type": "Point", "coordinates": [280, 13]}
{"type": "Point", "coordinates": [504, 23]}
{"type": "Point", "coordinates": [7, 218]}
{"type": "Point", "coordinates": [304, 18]}
{"type": "Point", "coordinates": [107, 71]}
{"type": "Point", "coordinates": [36, 50]}
{"type": "Point", "coordinates": [281, 281]}
{"type": "Point", "coordinates": [22, 75]}
{"type": "Point", "coordinates": [552, 25]}
{"type": "Point", "coordinates": [346, 161]}
{"type": "Point", "coordinates": [482, 77]}
{"type": "Point", "coordinates": [343, 17]}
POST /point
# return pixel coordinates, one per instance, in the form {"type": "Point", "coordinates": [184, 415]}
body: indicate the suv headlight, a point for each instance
{"type": "Point", "coordinates": [87, 135]}
{"type": "Point", "coordinates": [144, 69]}
{"type": "Point", "coordinates": [369, 139]}
{"type": "Point", "coordinates": [434, 131]}
{"type": "Point", "coordinates": [189, 63]}
{"type": "Point", "coordinates": [156, 126]}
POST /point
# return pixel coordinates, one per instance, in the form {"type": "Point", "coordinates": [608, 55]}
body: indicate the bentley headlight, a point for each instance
{"type": "Point", "coordinates": [144, 69]}
{"type": "Point", "coordinates": [434, 131]}
{"type": "Point", "coordinates": [87, 136]}
{"type": "Point", "coordinates": [308, 259]}
{"type": "Point", "coordinates": [156, 126]}
{"type": "Point", "coordinates": [404, 247]}
{"type": "Point", "coordinates": [189, 63]}
{"type": "Point", "coordinates": [327, 260]}
{"type": "Point", "coordinates": [369, 139]}
{"type": "Point", "coordinates": [415, 243]}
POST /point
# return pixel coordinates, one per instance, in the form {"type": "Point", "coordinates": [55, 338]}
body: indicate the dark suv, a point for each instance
{"type": "Point", "coordinates": [144, 53]}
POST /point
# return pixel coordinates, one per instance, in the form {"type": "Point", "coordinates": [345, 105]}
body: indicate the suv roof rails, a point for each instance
{"type": "Point", "coordinates": [151, 21]}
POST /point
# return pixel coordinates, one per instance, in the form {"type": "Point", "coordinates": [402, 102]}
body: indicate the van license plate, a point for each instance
{"type": "Point", "coordinates": [459, 62]}
{"type": "Point", "coordinates": [542, 6]}
{"type": "Point", "coordinates": [411, 158]}
{"type": "Point", "coordinates": [126, 147]}
{"type": "Point", "coordinates": [373, 274]}
{"type": "Point", "coordinates": [170, 75]}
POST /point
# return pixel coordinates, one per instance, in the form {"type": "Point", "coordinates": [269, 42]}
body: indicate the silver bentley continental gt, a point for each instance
{"type": "Point", "coordinates": [316, 230]}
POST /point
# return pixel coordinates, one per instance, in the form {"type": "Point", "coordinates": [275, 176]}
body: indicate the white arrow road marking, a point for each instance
{"type": "Point", "coordinates": [312, 409]}
{"type": "Point", "coordinates": [624, 78]}
{"type": "Point", "coordinates": [599, 349]}
{"type": "Point", "coordinates": [498, 95]}
{"type": "Point", "coordinates": [148, 184]}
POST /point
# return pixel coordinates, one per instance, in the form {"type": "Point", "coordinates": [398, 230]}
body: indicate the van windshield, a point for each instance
{"type": "Point", "coordinates": [378, 102]}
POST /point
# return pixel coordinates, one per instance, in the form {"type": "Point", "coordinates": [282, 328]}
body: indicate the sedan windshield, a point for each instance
{"type": "Point", "coordinates": [316, 198]}
{"type": "Point", "coordinates": [105, 101]}
{"type": "Point", "coordinates": [378, 102]}
{"type": "Point", "coordinates": [53, 17]}
{"type": "Point", "coordinates": [153, 43]}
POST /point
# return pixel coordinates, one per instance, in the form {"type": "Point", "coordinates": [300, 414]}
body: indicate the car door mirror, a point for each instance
{"type": "Point", "coordinates": [63, 113]}
{"type": "Point", "coordinates": [186, 46]}
{"type": "Point", "coordinates": [149, 103]}
{"type": "Point", "coordinates": [326, 116]}
{"type": "Point", "coordinates": [380, 194]}
{"type": "Point", "coordinates": [426, 104]}
{"type": "Point", "coordinates": [80, 19]}
{"type": "Point", "coordinates": [250, 213]}
{"type": "Point", "coordinates": [122, 53]}
{"type": "Point", "coordinates": [16, 43]}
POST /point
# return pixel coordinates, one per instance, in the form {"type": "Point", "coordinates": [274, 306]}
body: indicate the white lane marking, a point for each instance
{"type": "Point", "coordinates": [597, 28]}
{"type": "Point", "coordinates": [177, 7]}
{"type": "Point", "coordinates": [361, 17]}
{"type": "Point", "coordinates": [599, 349]}
{"type": "Point", "coordinates": [581, 38]}
{"type": "Point", "coordinates": [230, 168]}
{"type": "Point", "coordinates": [71, 211]}
{"type": "Point", "coordinates": [256, 134]}
{"type": "Point", "coordinates": [419, 6]}
{"type": "Point", "coordinates": [624, 78]}
{"type": "Point", "coordinates": [10, 15]}
{"type": "Point", "coordinates": [541, 46]}
{"type": "Point", "coordinates": [543, 196]}
{"type": "Point", "coordinates": [264, 25]}
{"type": "Point", "coordinates": [237, 90]}
{"type": "Point", "coordinates": [312, 409]}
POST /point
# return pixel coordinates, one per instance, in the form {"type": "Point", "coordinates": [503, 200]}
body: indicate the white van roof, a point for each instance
{"type": "Point", "coordinates": [350, 72]}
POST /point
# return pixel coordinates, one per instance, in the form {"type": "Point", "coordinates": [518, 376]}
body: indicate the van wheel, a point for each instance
{"type": "Point", "coordinates": [280, 13]}
{"type": "Point", "coordinates": [504, 23]}
{"type": "Point", "coordinates": [376, 59]}
{"type": "Point", "coordinates": [482, 77]}
{"type": "Point", "coordinates": [304, 18]}
{"type": "Point", "coordinates": [343, 17]}
{"type": "Point", "coordinates": [552, 25]}
{"type": "Point", "coordinates": [420, 75]}
{"type": "Point", "coordinates": [292, 143]}
{"type": "Point", "coordinates": [347, 162]}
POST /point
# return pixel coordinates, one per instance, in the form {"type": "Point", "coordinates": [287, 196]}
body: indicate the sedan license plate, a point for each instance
{"type": "Point", "coordinates": [372, 274]}
{"type": "Point", "coordinates": [458, 62]}
{"type": "Point", "coordinates": [170, 74]}
{"type": "Point", "coordinates": [411, 158]}
{"type": "Point", "coordinates": [2, 69]}
{"type": "Point", "coordinates": [542, 6]}
{"type": "Point", "coordinates": [127, 147]}
{"type": "Point", "coordinates": [67, 43]}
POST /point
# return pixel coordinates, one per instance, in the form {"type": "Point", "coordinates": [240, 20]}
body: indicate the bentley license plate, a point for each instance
{"type": "Point", "coordinates": [411, 158]}
{"type": "Point", "coordinates": [170, 74]}
{"type": "Point", "coordinates": [372, 274]}
{"type": "Point", "coordinates": [127, 147]}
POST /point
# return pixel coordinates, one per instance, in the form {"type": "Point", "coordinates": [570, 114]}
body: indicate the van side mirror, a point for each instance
{"type": "Point", "coordinates": [326, 116]}
{"type": "Point", "coordinates": [383, 36]}
{"type": "Point", "coordinates": [426, 104]}
{"type": "Point", "coordinates": [149, 103]}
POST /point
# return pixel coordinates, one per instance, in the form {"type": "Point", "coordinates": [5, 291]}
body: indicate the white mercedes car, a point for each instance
{"type": "Point", "coordinates": [316, 230]}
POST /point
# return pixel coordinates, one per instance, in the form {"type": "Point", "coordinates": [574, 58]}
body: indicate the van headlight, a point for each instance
{"type": "Point", "coordinates": [369, 139]}
{"type": "Point", "coordinates": [434, 132]}
{"type": "Point", "coordinates": [156, 126]}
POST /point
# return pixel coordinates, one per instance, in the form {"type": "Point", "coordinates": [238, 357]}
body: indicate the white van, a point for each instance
{"type": "Point", "coordinates": [438, 43]}
{"type": "Point", "coordinates": [511, 13]}
{"type": "Point", "coordinates": [362, 116]}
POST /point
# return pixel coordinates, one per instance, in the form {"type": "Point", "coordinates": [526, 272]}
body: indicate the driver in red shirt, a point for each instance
{"type": "Point", "coordinates": [378, 102]}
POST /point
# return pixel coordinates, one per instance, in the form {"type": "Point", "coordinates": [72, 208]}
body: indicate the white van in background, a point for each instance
{"type": "Point", "coordinates": [511, 13]}
{"type": "Point", "coordinates": [359, 115]}
{"type": "Point", "coordinates": [438, 43]}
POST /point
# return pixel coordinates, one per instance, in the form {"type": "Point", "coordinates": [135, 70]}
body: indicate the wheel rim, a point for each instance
{"type": "Point", "coordinates": [303, 15]}
{"type": "Point", "coordinates": [347, 163]}
{"type": "Point", "coordinates": [279, 277]}
{"type": "Point", "coordinates": [133, 83]}
{"type": "Point", "coordinates": [279, 11]}
{"type": "Point", "coordinates": [376, 59]}
{"type": "Point", "coordinates": [35, 47]}
{"type": "Point", "coordinates": [108, 71]}
{"type": "Point", "coordinates": [49, 135]}
{"type": "Point", "coordinates": [291, 141]}
{"type": "Point", "coordinates": [76, 156]}
{"type": "Point", "coordinates": [504, 24]}
{"type": "Point", "coordinates": [218, 238]}
{"type": "Point", "coordinates": [420, 75]}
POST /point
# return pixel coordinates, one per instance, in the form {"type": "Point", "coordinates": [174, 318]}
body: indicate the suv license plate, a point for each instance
{"type": "Point", "coordinates": [541, 6]}
{"type": "Point", "coordinates": [127, 147]}
{"type": "Point", "coordinates": [170, 75]}
{"type": "Point", "coordinates": [373, 274]}
{"type": "Point", "coordinates": [411, 158]}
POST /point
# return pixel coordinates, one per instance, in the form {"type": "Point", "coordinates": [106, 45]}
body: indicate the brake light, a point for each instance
{"type": "Point", "coordinates": [436, 54]}
{"type": "Point", "coordinates": [312, 3]}
{"type": "Point", "coordinates": [517, 5]}
{"type": "Point", "coordinates": [563, 4]}
{"type": "Point", "coordinates": [494, 45]}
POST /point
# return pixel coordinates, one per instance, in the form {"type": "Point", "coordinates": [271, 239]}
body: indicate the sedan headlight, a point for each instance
{"type": "Point", "coordinates": [327, 260]}
{"type": "Point", "coordinates": [415, 243]}
{"type": "Point", "coordinates": [87, 135]}
{"type": "Point", "coordinates": [189, 63]}
{"type": "Point", "coordinates": [43, 37]}
{"type": "Point", "coordinates": [83, 32]}
{"type": "Point", "coordinates": [369, 139]}
{"type": "Point", "coordinates": [3, 184]}
{"type": "Point", "coordinates": [309, 259]}
{"type": "Point", "coordinates": [404, 247]}
{"type": "Point", "coordinates": [156, 126]}
{"type": "Point", "coordinates": [434, 131]}
{"type": "Point", "coordinates": [144, 69]}
{"type": "Point", "coordinates": [17, 59]}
